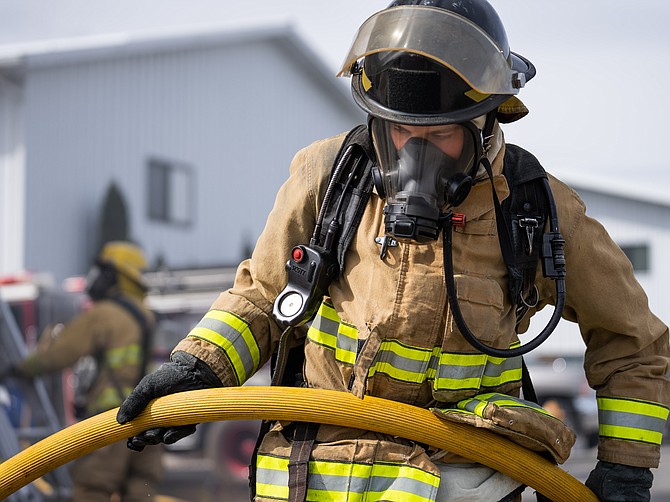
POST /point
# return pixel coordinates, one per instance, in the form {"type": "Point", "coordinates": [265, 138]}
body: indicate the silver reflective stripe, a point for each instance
{"type": "Point", "coordinates": [449, 371]}
{"type": "Point", "coordinates": [632, 420]}
{"type": "Point", "coordinates": [404, 363]}
{"type": "Point", "coordinates": [349, 481]}
{"type": "Point", "coordinates": [375, 484]}
{"type": "Point", "coordinates": [233, 336]}
{"type": "Point", "coordinates": [327, 330]}
{"type": "Point", "coordinates": [477, 404]}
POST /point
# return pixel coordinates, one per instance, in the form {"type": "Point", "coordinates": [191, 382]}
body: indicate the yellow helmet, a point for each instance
{"type": "Point", "coordinates": [128, 261]}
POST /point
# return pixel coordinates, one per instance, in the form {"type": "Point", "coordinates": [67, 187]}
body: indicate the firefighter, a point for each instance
{"type": "Point", "coordinates": [115, 331]}
{"type": "Point", "coordinates": [436, 78]}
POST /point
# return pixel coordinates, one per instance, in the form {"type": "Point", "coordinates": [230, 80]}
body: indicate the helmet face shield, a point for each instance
{"type": "Point", "coordinates": [443, 36]}
{"type": "Point", "coordinates": [418, 64]}
{"type": "Point", "coordinates": [422, 171]}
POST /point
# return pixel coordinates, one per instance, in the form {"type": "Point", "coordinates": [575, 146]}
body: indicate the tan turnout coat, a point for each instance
{"type": "Point", "coordinates": [402, 300]}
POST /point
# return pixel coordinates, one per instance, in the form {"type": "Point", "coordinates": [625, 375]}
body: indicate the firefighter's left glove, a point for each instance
{"type": "Point", "coordinates": [184, 372]}
{"type": "Point", "coordinates": [620, 483]}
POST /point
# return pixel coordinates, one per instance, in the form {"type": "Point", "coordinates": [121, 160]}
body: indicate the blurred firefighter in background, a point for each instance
{"type": "Point", "coordinates": [115, 334]}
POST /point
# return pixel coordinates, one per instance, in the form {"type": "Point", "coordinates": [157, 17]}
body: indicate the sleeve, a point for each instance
{"type": "Point", "coordinates": [238, 334]}
{"type": "Point", "coordinates": [627, 354]}
{"type": "Point", "coordinates": [78, 338]}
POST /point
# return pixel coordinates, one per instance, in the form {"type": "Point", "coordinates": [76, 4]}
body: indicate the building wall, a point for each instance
{"type": "Point", "coordinates": [235, 114]}
{"type": "Point", "coordinates": [12, 176]}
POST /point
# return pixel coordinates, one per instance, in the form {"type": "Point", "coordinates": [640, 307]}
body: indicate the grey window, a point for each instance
{"type": "Point", "coordinates": [170, 197]}
{"type": "Point", "coordinates": [638, 254]}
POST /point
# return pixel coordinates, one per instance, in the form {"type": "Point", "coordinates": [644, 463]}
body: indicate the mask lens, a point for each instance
{"type": "Point", "coordinates": [422, 161]}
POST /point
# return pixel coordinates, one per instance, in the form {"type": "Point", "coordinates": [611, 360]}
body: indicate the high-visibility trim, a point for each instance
{"type": "Point", "coordinates": [128, 355]}
{"type": "Point", "coordinates": [402, 362]}
{"type": "Point", "coordinates": [632, 420]}
{"type": "Point", "coordinates": [478, 403]}
{"type": "Point", "coordinates": [232, 335]}
{"type": "Point", "coordinates": [329, 331]}
{"type": "Point", "coordinates": [348, 481]}
{"type": "Point", "coordinates": [109, 398]}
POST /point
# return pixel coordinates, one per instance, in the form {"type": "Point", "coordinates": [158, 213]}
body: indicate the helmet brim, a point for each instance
{"type": "Point", "coordinates": [459, 116]}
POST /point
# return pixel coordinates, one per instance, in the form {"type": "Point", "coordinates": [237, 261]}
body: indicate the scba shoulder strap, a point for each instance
{"type": "Point", "coordinates": [525, 211]}
{"type": "Point", "coordinates": [348, 192]}
{"type": "Point", "coordinates": [525, 214]}
{"type": "Point", "coordinates": [311, 268]}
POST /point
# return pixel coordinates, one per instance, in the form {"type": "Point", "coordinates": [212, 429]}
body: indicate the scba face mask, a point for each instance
{"type": "Point", "coordinates": [423, 170]}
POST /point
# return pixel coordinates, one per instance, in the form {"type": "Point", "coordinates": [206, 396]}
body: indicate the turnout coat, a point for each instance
{"type": "Point", "coordinates": [385, 329]}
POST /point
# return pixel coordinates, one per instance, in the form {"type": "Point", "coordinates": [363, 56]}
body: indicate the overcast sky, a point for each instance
{"type": "Point", "coordinates": [599, 103]}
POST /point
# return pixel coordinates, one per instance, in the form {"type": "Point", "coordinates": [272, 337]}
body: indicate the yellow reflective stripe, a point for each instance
{"type": "Point", "coordinates": [646, 408]}
{"type": "Point", "coordinates": [328, 340]}
{"type": "Point", "coordinates": [478, 403]}
{"type": "Point", "coordinates": [414, 365]}
{"type": "Point", "coordinates": [347, 345]}
{"type": "Point", "coordinates": [329, 331]}
{"type": "Point", "coordinates": [347, 482]}
{"type": "Point", "coordinates": [241, 327]}
{"type": "Point", "coordinates": [402, 362]}
{"type": "Point", "coordinates": [233, 336]}
{"type": "Point", "coordinates": [632, 420]}
{"type": "Point", "coordinates": [388, 369]}
{"type": "Point", "coordinates": [512, 375]}
{"type": "Point", "coordinates": [475, 406]}
{"type": "Point", "coordinates": [630, 434]}
{"type": "Point", "coordinates": [328, 311]}
{"type": "Point", "coordinates": [123, 356]}
{"type": "Point", "coordinates": [459, 371]}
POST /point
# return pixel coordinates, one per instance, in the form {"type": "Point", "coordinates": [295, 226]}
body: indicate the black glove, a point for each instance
{"type": "Point", "coordinates": [184, 372]}
{"type": "Point", "coordinates": [620, 483]}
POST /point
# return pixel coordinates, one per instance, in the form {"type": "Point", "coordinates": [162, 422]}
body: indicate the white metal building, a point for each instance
{"type": "Point", "coordinates": [196, 129]}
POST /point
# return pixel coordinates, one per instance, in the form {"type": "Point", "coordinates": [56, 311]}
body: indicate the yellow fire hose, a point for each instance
{"type": "Point", "coordinates": [294, 404]}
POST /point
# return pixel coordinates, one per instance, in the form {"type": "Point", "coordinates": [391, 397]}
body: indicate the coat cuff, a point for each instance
{"type": "Point", "coordinates": [212, 356]}
{"type": "Point", "coordinates": [629, 453]}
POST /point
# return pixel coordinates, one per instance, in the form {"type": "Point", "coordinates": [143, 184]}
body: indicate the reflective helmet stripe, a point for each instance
{"type": "Point", "coordinates": [449, 371]}
{"type": "Point", "coordinates": [233, 336]}
{"type": "Point", "coordinates": [342, 481]}
{"type": "Point", "coordinates": [631, 420]}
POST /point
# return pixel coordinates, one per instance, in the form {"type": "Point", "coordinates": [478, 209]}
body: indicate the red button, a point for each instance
{"type": "Point", "coordinates": [298, 254]}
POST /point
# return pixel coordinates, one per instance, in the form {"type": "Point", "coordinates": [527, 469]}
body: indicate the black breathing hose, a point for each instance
{"type": "Point", "coordinates": [554, 255]}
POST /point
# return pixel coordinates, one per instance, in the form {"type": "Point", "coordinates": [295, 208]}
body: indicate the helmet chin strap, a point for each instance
{"type": "Point", "coordinates": [487, 132]}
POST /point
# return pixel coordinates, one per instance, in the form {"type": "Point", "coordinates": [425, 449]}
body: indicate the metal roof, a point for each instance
{"type": "Point", "coordinates": [17, 59]}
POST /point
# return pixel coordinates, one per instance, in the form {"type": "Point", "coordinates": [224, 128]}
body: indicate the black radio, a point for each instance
{"type": "Point", "coordinates": [310, 271]}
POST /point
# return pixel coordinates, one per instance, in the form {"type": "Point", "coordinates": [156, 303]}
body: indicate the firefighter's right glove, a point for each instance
{"type": "Point", "coordinates": [620, 483]}
{"type": "Point", "coordinates": [184, 372]}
